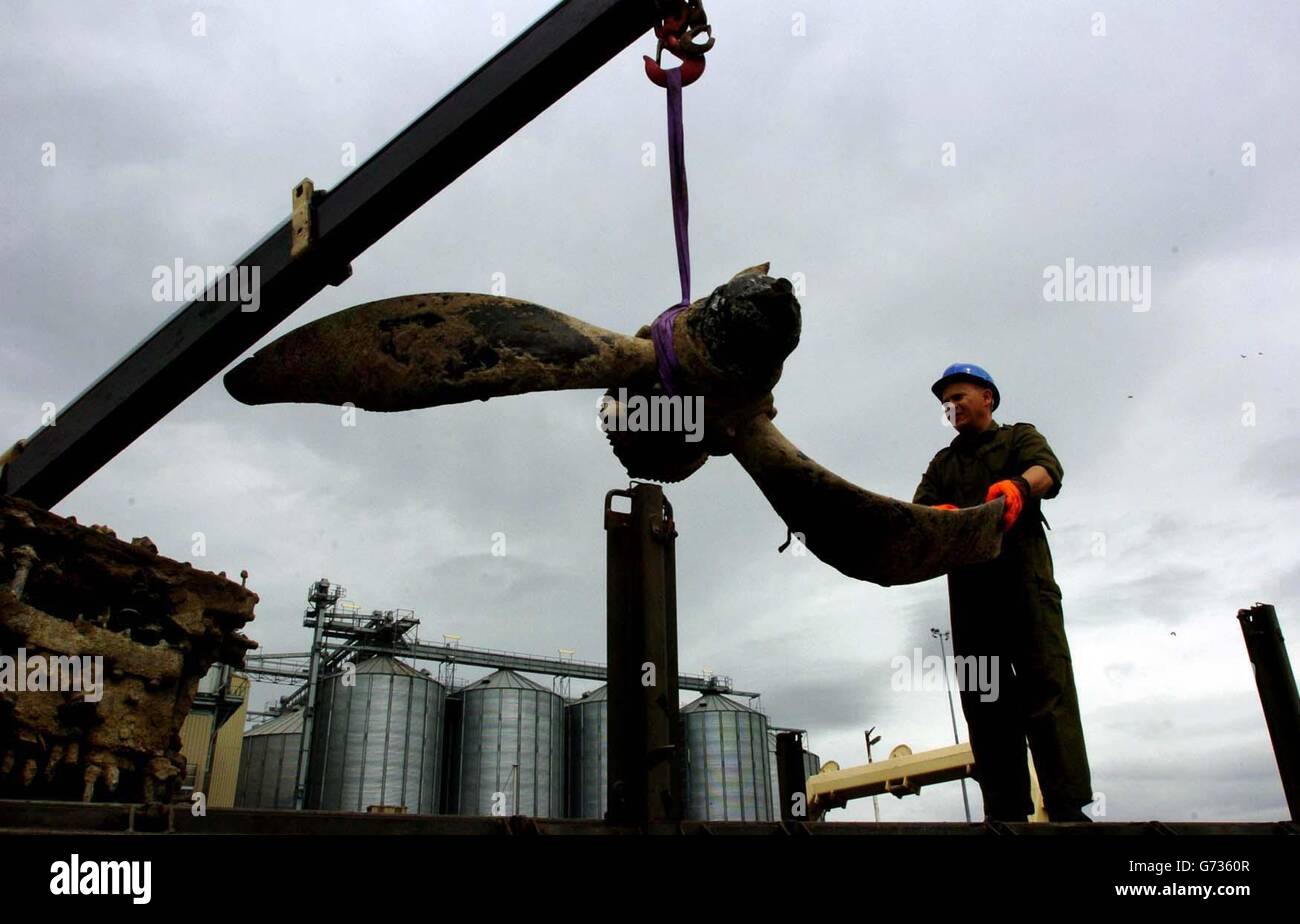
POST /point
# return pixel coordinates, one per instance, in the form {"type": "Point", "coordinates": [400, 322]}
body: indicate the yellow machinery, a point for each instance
{"type": "Point", "coordinates": [903, 774]}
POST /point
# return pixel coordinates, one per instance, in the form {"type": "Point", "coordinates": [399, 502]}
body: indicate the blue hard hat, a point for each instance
{"type": "Point", "coordinates": [966, 372]}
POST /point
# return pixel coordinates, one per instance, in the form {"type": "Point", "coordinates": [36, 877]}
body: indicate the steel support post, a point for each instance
{"type": "Point", "coordinates": [645, 730]}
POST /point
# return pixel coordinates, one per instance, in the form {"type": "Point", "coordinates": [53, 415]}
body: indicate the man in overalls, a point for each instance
{"type": "Point", "coordinates": [1010, 608]}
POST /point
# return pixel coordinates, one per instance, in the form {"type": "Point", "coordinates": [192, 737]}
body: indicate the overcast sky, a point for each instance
{"type": "Point", "coordinates": [921, 164]}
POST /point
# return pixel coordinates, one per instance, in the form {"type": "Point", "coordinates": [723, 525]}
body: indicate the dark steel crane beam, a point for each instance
{"type": "Point", "coordinates": [540, 66]}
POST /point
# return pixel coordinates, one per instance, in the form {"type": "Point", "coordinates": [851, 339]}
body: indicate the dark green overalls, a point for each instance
{"type": "Point", "coordinates": [1011, 607]}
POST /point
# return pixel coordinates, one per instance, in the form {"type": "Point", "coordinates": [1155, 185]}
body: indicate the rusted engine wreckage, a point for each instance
{"type": "Point", "coordinates": [156, 625]}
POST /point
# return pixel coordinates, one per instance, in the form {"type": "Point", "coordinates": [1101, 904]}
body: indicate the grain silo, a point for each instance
{"type": "Point", "coordinates": [587, 763]}
{"type": "Point", "coordinates": [377, 739]}
{"type": "Point", "coordinates": [727, 776]}
{"type": "Point", "coordinates": [811, 765]}
{"type": "Point", "coordinates": [510, 753]}
{"type": "Point", "coordinates": [268, 764]}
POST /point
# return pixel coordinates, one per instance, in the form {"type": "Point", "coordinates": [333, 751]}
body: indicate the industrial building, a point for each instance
{"type": "Point", "coordinates": [388, 736]}
{"type": "Point", "coordinates": [509, 746]}
{"type": "Point", "coordinates": [211, 736]}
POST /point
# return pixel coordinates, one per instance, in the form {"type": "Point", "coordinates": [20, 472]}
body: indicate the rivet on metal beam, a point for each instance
{"type": "Point", "coordinates": [301, 219]}
{"type": "Point", "coordinates": [302, 222]}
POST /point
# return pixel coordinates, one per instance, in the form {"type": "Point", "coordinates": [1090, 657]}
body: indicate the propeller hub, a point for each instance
{"type": "Point", "coordinates": [747, 327]}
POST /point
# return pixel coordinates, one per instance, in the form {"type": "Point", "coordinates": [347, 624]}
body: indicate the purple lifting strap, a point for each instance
{"type": "Point", "coordinates": [661, 331]}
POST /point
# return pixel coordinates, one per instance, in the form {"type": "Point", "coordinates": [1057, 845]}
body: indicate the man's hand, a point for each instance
{"type": "Point", "coordinates": [1015, 491]}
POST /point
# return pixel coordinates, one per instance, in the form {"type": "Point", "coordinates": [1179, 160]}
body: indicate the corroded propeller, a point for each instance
{"type": "Point", "coordinates": [861, 534]}
{"type": "Point", "coordinates": [419, 351]}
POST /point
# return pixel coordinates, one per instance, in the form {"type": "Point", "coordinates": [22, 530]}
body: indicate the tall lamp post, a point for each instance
{"type": "Point", "coordinates": [870, 741]}
{"type": "Point", "coordinates": [942, 636]}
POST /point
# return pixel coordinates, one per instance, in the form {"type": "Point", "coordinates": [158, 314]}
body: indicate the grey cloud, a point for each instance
{"type": "Point", "coordinates": [820, 153]}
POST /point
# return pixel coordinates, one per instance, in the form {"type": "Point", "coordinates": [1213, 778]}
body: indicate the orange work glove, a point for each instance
{"type": "Point", "coordinates": [944, 507]}
{"type": "Point", "coordinates": [1015, 491]}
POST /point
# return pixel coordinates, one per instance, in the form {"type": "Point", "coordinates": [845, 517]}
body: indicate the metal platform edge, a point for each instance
{"type": "Point", "coordinates": [19, 817]}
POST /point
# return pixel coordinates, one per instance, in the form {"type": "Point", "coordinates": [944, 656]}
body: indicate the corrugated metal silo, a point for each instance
{"type": "Point", "coordinates": [727, 777]}
{"type": "Point", "coordinates": [512, 744]}
{"type": "Point", "coordinates": [378, 742]}
{"type": "Point", "coordinates": [588, 754]}
{"type": "Point", "coordinates": [268, 764]}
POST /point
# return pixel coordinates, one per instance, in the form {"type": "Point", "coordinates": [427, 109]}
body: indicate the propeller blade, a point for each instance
{"type": "Point", "coordinates": [418, 351]}
{"type": "Point", "coordinates": [863, 535]}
